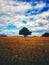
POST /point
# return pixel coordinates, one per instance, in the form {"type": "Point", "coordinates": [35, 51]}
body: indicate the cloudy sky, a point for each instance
{"type": "Point", "coordinates": [16, 14]}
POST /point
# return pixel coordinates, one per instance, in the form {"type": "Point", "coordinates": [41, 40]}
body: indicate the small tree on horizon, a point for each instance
{"type": "Point", "coordinates": [45, 34]}
{"type": "Point", "coordinates": [2, 35]}
{"type": "Point", "coordinates": [24, 31]}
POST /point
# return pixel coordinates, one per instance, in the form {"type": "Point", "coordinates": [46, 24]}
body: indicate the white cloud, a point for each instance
{"type": "Point", "coordinates": [12, 12]}
{"type": "Point", "coordinates": [14, 7]}
{"type": "Point", "coordinates": [40, 5]}
{"type": "Point", "coordinates": [10, 32]}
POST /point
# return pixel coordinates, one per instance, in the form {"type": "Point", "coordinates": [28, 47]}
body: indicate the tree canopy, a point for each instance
{"type": "Point", "coordinates": [24, 31]}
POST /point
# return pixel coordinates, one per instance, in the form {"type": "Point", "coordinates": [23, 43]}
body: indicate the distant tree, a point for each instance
{"type": "Point", "coordinates": [3, 35]}
{"type": "Point", "coordinates": [45, 34]}
{"type": "Point", "coordinates": [24, 31]}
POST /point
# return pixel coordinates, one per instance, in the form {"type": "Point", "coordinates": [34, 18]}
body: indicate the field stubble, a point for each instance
{"type": "Point", "coordinates": [24, 51]}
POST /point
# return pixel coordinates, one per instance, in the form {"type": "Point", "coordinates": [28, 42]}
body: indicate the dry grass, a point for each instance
{"type": "Point", "coordinates": [24, 51]}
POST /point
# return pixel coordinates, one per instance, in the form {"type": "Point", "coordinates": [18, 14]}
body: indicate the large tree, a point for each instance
{"type": "Point", "coordinates": [24, 31]}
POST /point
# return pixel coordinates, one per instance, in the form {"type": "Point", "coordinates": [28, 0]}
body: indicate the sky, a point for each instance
{"type": "Point", "coordinates": [16, 14]}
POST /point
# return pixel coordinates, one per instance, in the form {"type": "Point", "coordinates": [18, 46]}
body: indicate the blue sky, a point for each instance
{"type": "Point", "coordinates": [16, 14]}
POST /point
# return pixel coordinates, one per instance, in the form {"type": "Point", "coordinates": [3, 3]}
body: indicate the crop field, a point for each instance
{"type": "Point", "coordinates": [24, 50]}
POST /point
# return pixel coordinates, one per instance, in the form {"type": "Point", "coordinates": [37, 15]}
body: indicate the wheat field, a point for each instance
{"type": "Point", "coordinates": [24, 50]}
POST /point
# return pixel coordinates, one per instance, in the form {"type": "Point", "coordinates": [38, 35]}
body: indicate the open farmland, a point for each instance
{"type": "Point", "coordinates": [24, 50]}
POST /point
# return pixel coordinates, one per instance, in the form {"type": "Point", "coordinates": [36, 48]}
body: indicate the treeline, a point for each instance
{"type": "Point", "coordinates": [3, 35]}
